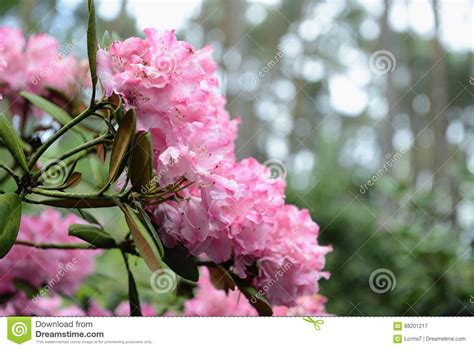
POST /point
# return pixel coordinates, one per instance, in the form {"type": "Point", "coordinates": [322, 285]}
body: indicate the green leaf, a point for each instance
{"type": "Point", "coordinates": [122, 141]}
{"type": "Point", "coordinates": [12, 142]}
{"type": "Point", "coordinates": [92, 46]}
{"type": "Point", "coordinates": [106, 40]}
{"type": "Point", "coordinates": [259, 302]}
{"type": "Point", "coordinates": [220, 278]}
{"type": "Point", "coordinates": [10, 214]}
{"type": "Point", "coordinates": [181, 262]}
{"type": "Point", "coordinates": [144, 241]}
{"type": "Point", "coordinates": [93, 235]}
{"type": "Point", "coordinates": [141, 169]}
{"type": "Point", "coordinates": [87, 216]}
{"type": "Point", "coordinates": [51, 109]}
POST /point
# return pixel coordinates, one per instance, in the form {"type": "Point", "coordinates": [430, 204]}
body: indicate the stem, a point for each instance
{"type": "Point", "coordinates": [64, 195]}
{"type": "Point", "coordinates": [133, 297]}
{"type": "Point", "coordinates": [91, 143]}
{"type": "Point", "coordinates": [11, 173]}
{"type": "Point", "coordinates": [46, 245]}
{"type": "Point", "coordinates": [60, 133]}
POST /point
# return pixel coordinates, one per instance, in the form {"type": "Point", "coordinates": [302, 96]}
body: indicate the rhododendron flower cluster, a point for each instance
{"type": "Point", "coordinates": [234, 212]}
{"type": "Point", "coordinates": [57, 271]}
{"type": "Point", "coordinates": [36, 64]}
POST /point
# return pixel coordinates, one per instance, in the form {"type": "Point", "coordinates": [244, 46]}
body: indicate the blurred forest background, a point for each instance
{"type": "Point", "coordinates": [366, 106]}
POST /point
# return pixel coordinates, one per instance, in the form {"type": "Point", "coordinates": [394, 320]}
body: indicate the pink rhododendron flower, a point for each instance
{"type": "Point", "coordinates": [36, 64]}
{"type": "Point", "coordinates": [234, 211]}
{"type": "Point", "coordinates": [57, 270]}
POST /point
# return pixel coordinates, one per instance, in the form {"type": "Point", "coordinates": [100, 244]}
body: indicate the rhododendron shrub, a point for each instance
{"type": "Point", "coordinates": [166, 145]}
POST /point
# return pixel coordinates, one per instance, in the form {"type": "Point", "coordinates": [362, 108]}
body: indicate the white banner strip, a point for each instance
{"type": "Point", "coordinates": [229, 333]}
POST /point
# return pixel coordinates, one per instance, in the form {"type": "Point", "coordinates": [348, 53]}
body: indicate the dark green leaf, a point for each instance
{"type": "Point", "coordinates": [93, 235]}
{"type": "Point", "coordinates": [10, 214]}
{"type": "Point", "coordinates": [181, 262]}
{"type": "Point", "coordinates": [259, 302]}
{"type": "Point", "coordinates": [144, 240]}
{"type": "Point", "coordinates": [12, 142]}
{"type": "Point", "coordinates": [122, 141]}
{"type": "Point", "coordinates": [92, 45]}
{"type": "Point", "coordinates": [141, 170]}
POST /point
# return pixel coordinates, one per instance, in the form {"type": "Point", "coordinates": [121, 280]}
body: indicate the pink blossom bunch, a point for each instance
{"type": "Point", "coordinates": [35, 64]}
{"type": "Point", "coordinates": [53, 270]}
{"type": "Point", "coordinates": [209, 301]}
{"type": "Point", "coordinates": [234, 212]}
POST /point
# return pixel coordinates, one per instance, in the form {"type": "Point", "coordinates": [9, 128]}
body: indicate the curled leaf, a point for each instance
{"type": "Point", "coordinates": [92, 46]}
{"type": "Point", "coordinates": [143, 238]}
{"type": "Point", "coordinates": [122, 141]}
{"type": "Point", "coordinates": [140, 169]}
